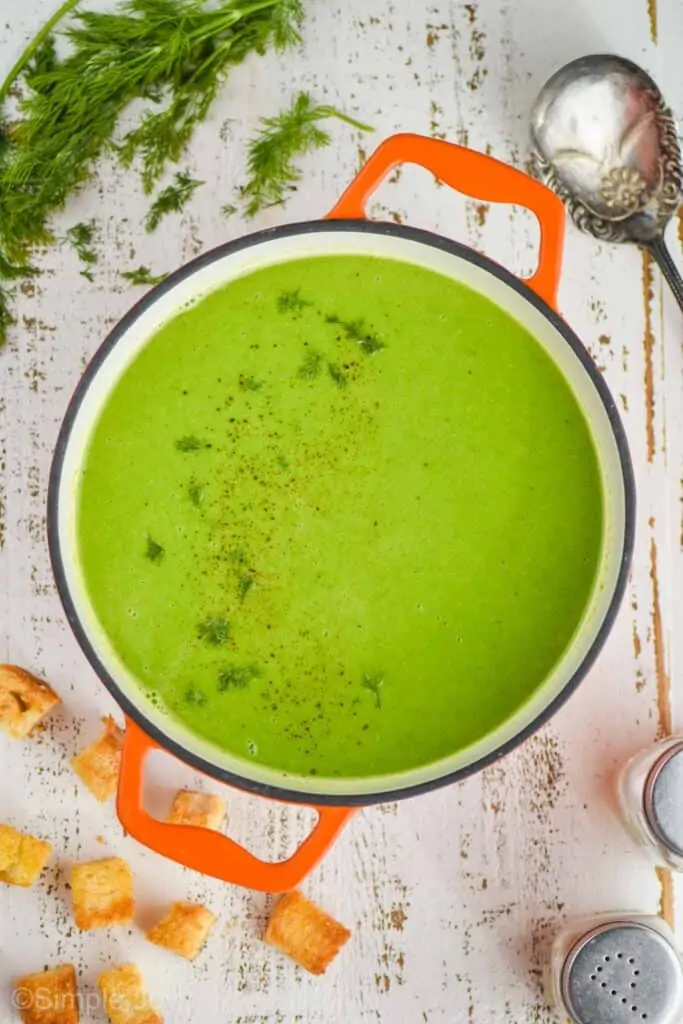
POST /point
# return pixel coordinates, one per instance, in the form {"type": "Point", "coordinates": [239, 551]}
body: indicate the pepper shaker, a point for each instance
{"type": "Point", "coordinates": [621, 969]}
{"type": "Point", "coordinates": [650, 794]}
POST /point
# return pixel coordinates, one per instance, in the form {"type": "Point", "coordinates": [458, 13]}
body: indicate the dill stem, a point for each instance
{"type": "Point", "coordinates": [34, 46]}
{"type": "Point", "coordinates": [326, 111]}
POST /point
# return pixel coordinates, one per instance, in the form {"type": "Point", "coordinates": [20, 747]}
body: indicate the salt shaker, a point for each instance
{"type": "Point", "coordinates": [650, 793]}
{"type": "Point", "coordinates": [620, 969]}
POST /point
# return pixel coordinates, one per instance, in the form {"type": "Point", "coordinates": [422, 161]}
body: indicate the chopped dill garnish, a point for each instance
{"type": "Point", "coordinates": [237, 677]}
{"type": "Point", "coordinates": [154, 551]}
{"type": "Point", "coordinates": [374, 683]}
{"type": "Point", "coordinates": [244, 584]}
{"type": "Point", "coordinates": [190, 443]}
{"type": "Point", "coordinates": [280, 141]}
{"type": "Point", "coordinates": [250, 383]}
{"type": "Point", "coordinates": [337, 375]}
{"type": "Point", "coordinates": [228, 210]}
{"type": "Point", "coordinates": [195, 493]}
{"type": "Point", "coordinates": [171, 199]}
{"type": "Point", "coordinates": [291, 302]}
{"type": "Point", "coordinates": [196, 697]}
{"type": "Point", "coordinates": [214, 631]}
{"type": "Point", "coordinates": [310, 368]}
{"type": "Point", "coordinates": [355, 330]}
{"type": "Point", "coordinates": [142, 275]}
{"type": "Point", "coordinates": [81, 237]}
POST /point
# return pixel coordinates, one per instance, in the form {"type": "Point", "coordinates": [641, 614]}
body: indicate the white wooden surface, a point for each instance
{"type": "Point", "coordinates": [451, 897]}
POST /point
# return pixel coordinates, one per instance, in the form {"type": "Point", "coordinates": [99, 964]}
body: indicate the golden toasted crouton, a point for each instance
{"type": "Point", "coordinates": [10, 843]}
{"type": "Point", "coordinates": [306, 933]}
{"type": "Point", "coordinates": [183, 930]}
{"type": "Point", "coordinates": [125, 999]}
{"type": "Point", "coordinates": [102, 893]}
{"type": "Point", "coordinates": [50, 997]}
{"type": "Point", "coordinates": [98, 765]}
{"type": "Point", "coordinates": [24, 700]}
{"type": "Point", "coordinates": [202, 809]}
{"type": "Point", "coordinates": [22, 857]}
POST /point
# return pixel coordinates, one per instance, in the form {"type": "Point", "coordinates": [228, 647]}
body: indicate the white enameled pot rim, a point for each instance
{"type": "Point", "coordinates": [284, 244]}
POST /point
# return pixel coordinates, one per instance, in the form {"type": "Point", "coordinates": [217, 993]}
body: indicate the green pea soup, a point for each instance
{"type": "Point", "coordinates": [341, 517]}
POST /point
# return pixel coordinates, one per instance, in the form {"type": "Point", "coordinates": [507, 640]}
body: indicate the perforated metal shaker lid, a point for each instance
{"type": "Point", "coordinates": [623, 973]}
{"type": "Point", "coordinates": [663, 799]}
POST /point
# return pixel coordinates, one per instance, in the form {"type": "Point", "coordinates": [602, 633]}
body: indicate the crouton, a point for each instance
{"type": "Point", "coordinates": [125, 998]}
{"type": "Point", "coordinates": [202, 809]}
{"type": "Point", "coordinates": [24, 700]}
{"type": "Point", "coordinates": [102, 893]}
{"type": "Point", "coordinates": [305, 933]}
{"type": "Point", "coordinates": [22, 857]}
{"type": "Point", "coordinates": [10, 844]}
{"type": "Point", "coordinates": [50, 997]}
{"type": "Point", "coordinates": [98, 765]}
{"type": "Point", "coordinates": [183, 930]}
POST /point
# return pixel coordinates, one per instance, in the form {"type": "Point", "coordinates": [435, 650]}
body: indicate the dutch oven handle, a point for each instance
{"type": "Point", "coordinates": [209, 852]}
{"type": "Point", "coordinates": [476, 175]}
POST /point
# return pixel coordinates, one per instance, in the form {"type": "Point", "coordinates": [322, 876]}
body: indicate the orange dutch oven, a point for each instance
{"type": "Point", "coordinates": [532, 303]}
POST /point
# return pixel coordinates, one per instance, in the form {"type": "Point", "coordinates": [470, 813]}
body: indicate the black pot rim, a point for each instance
{"type": "Point", "coordinates": [282, 793]}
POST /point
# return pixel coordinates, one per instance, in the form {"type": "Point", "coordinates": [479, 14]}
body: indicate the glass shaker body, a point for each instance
{"type": "Point", "coordinates": [650, 796]}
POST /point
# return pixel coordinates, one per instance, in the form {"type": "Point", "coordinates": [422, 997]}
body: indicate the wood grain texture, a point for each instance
{"type": "Point", "coordinates": [453, 897]}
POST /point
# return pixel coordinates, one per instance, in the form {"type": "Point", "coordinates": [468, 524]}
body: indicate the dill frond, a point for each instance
{"type": "Point", "coordinates": [142, 275]}
{"type": "Point", "coordinates": [172, 199]}
{"type": "Point", "coordinates": [80, 237]}
{"type": "Point", "coordinates": [271, 155]}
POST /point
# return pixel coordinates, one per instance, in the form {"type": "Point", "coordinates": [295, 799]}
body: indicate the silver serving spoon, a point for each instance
{"type": "Point", "coordinates": [606, 143]}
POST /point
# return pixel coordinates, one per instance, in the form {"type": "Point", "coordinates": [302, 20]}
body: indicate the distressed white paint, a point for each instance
{"type": "Point", "coordinates": [451, 897]}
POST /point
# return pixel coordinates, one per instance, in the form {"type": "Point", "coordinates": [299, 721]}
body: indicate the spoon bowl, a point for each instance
{"type": "Point", "coordinates": [605, 141]}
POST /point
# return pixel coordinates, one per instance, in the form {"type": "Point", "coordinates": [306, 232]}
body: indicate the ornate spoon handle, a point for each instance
{"type": "Point", "coordinates": [667, 266]}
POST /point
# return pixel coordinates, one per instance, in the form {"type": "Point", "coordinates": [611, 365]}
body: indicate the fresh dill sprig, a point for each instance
{"type": "Point", "coordinates": [172, 199]}
{"type": "Point", "coordinates": [228, 210]}
{"type": "Point", "coordinates": [216, 41]}
{"type": "Point", "coordinates": [142, 275]}
{"type": "Point", "coordinates": [34, 47]}
{"type": "Point", "coordinates": [81, 237]}
{"type": "Point", "coordinates": [283, 138]}
{"type": "Point", "coordinates": [173, 53]}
